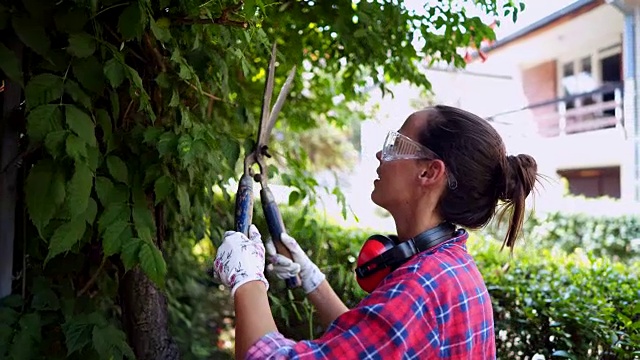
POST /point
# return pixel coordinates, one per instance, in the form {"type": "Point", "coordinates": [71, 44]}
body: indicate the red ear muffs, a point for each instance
{"type": "Point", "coordinates": [371, 275]}
{"type": "Point", "coordinates": [380, 254]}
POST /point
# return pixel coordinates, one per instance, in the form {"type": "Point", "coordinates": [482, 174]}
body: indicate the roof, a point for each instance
{"type": "Point", "coordinates": [577, 8]}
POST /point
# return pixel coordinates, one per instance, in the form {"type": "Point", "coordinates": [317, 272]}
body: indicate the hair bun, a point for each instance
{"type": "Point", "coordinates": [519, 177]}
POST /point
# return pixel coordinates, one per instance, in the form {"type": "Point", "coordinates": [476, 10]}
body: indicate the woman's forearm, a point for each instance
{"type": "Point", "coordinates": [253, 316]}
{"type": "Point", "coordinates": [327, 302]}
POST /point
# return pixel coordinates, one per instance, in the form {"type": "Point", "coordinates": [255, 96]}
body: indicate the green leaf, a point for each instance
{"type": "Point", "coordinates": [175, 99]}
{"type": "Point", "coordinates": [43, 120]}
{"type": "Point", "coordinates": [114, 72]}
{"type": "Point", "coordinates": [7, 302]}
{"type": "Point", "coordinates": [81, 45]}
{"type": "Point", "coordinates": [162, 187]}
{"type": "Point", "coordinates": [93, 158]}
{"type": "Point", "coordinates": [54, 142]}
{"type": "Point", "coordinates": [91, 212]}
{"type": "Point", "coordinates": [112, 213]}
{"type": "Point", "coordinates": [43, 297]}
{"type": "Point", "coordinates": [117, 169]}
{"type": "Point", "coordinates": [79, 190]}
{"type": "Point", "coordinates": [130, 252]}
{"type": "Point", "coordinates": [31, 33]}
{"type": "Point", "coordinates": [111, 343]}
{"type": "Point", "coordinates": [161, 33]}
{"type": "Point", "coordinates": [43, 89]}
{"type": "Point", "coordinates": [88, 71]}
{"type": "Point", "coordinates": [45, 181]}
{"type": "Point", "coordinates": [230, 149]}
{"type": "Point", "coordinates": [10, 65]}
{"type": "Point", "coordinates": [143, 220]}
{"type": "Point", "coordinates": [66, 236]}
{"type": "Point", "coordinates": [152, 263]}
{"type": "Point", "coordinates": [25, 341]}
{"type": "Point", "coordinates": [77, 94]}
{"type": "Point", "coordinates": [77, 332]}
{"type": "Point", "coordinates": [115, 104]}
{"type": "Point", "coordinates": [142, 217]}
{"type": "Point", "coordinates": [111, 239]}
{"type": "Point", "coordinates": [110, 194]}
{"type": "Point", "coordinates": [104, 188]}
{"type": "Point", "coordinates": [294, 198]}
{"type": "Point", "coordinates": [80, 123]}
{"type": "Point", "coordinates": [76, 148]}
{"type": "Point", "coordinates": [183, 200]}
{"type": "Point", "coordinates": [130, 23]}
{"type": "Point", "coordinates": [104, 122]}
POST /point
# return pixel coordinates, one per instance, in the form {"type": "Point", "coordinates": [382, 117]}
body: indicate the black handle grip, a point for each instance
{"type": "Point", "coordinates": [276, 228]}
{"type": "Point", "coordinates": [244, 204]}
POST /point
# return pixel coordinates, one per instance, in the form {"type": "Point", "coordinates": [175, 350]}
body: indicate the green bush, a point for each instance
{"type": "Point", "coordinates": [576, 306]}
{"type": "Point", "coordinates": [610, 237]}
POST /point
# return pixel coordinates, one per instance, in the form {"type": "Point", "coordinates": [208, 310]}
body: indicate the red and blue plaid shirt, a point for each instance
{"type": "Point", "coordinates": [435, 306]}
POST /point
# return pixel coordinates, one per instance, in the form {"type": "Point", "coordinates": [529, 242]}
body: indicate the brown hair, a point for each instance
{"type": "Point", "coordinates": [475, 155]}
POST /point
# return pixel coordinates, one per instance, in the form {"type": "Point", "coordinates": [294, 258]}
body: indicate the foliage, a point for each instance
{"type": "Point", "coordinates": [613, 237]}
{"type": "Point", "coordinates": [133, 112]}
{"type": "Point", "coordinates": [561, 305]}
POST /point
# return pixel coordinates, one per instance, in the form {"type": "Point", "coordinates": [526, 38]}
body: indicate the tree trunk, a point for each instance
{"type": "Point", "coordinates": [145, 318]}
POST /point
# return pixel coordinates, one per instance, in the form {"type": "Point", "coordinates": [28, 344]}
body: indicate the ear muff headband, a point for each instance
{"type": "Point", "coordinates": [380, 254]}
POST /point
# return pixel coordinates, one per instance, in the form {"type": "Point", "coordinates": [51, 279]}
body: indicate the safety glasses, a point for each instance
{"type": "Point", "coordinates": [399, 147]}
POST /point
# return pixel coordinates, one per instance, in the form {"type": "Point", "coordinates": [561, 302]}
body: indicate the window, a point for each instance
{"type": "Point", "coordinates": [593, 182]}
{"type": "Point", "coordinates": [589, 74]}
{"type": "Point", "coordinates": [578, 78]}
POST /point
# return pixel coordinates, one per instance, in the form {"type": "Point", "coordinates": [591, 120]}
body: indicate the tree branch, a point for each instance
{"type": "Point", "coordinates": [222, 20]}
{"type": "Point", "coordinates": [216, 21]}
{"type": "Point", "coordinates": [93, 278]}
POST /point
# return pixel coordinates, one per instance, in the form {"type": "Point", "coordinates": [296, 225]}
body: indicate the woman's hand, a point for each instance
{"type": "Point", "coordinates": [240, 259]}
{"type": "Point", "coordinates": [310, 275]}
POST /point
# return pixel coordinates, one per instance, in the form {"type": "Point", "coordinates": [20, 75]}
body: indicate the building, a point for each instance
{"type": "Point", "coordinates": [571, 95]}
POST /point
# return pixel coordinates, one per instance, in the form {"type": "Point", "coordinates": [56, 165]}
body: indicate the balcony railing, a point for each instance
{"type": "Point", "coordinates": [594, 110]}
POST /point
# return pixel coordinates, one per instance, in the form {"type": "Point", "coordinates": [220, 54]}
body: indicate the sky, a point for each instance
{"type": "Point", "coordinates": [534, 10]}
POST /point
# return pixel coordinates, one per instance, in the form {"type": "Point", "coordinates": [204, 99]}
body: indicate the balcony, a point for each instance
{"type": "Point", "coordinates": [595, 110]}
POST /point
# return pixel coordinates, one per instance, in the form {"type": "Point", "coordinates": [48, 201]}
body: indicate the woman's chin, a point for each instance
{"type": "Point", "coordinates": [375, 196]}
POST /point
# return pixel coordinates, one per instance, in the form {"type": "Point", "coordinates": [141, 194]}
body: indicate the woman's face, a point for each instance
{"type": "Point", "coordinates": [398, 183]}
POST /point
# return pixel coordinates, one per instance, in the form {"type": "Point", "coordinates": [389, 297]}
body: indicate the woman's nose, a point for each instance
{"type": "Point", "coordinates": [379, 155]}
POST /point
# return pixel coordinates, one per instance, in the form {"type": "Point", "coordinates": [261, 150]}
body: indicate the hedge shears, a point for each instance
{"type": "Point", "coordinates": [244, 196]}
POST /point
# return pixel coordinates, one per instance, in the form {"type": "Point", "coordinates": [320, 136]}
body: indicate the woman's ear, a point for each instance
{"type": "Point", "coordinates": [433, 171]}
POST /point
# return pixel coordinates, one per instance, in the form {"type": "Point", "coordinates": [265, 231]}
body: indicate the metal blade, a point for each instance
{"type": "Point", "coordinates": [263, 135]}
{"type": "Point", "coordinates": [286, 87]}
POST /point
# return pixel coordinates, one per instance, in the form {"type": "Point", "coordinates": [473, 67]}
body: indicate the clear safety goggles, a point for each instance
{"type": "Point", "coordinates": [399, 147]}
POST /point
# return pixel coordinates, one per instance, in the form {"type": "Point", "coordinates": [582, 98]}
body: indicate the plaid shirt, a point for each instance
{"type": "Point", "coordinates": [435, 306]}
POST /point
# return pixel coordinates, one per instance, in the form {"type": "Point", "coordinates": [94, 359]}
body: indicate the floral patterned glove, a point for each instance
{"type": "Point", "coordinates": [240, 259]}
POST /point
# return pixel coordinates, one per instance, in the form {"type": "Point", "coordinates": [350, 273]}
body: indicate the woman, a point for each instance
{"type": "Point", "coordinates": [444, 166]}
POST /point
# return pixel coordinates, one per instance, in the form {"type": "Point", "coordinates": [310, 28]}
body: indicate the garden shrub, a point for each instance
{"type": "Point", "coordinates": [614, 237]}
{"type": "Point", "coordinates": [577, 305]}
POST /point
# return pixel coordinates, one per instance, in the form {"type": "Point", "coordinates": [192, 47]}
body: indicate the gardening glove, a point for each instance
{"type": "Point", "coordinates": [240, 259]}
{"type": "Point", "coordinates": [284, 268]}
